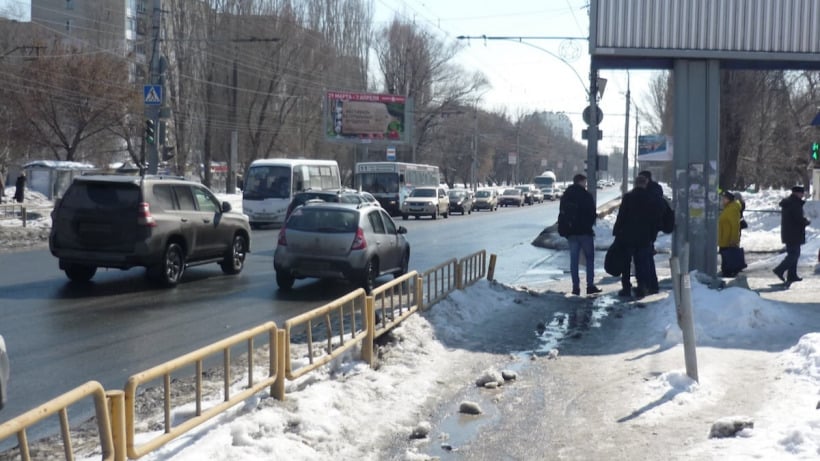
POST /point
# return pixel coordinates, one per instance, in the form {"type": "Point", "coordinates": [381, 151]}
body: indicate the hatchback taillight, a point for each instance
{"type": "Point", "coordinates": [359, 242]}
{"type": "Point", "coordinates": [282, 240]}
{"type": "Point", "coordinates": [144, 217]}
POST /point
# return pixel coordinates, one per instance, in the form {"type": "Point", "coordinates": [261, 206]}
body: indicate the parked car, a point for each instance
{"type": "Point", "coordinates": [332, 240]}
{"type": "Point", "coordinates": [4, 373]}
{"type": "Point", "coordinates": [486, 199]}
{"type": "Point", "coordinates": [426, 201]}
{"type": "Point", "coordinates": [330, 195]}
{"type": "Point", "coordinates": [160, 223]}
{"type": "Point", "coordinates": [461, 201]}
{"type": "Point", "coordinates": [511, 197]}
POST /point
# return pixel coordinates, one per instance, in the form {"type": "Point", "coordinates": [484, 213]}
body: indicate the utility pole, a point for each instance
{"type": "Point", "coordinates": [152, 111]}
{"type": "Point", "coordinates": [625, 182]}
{"type": "Point", "coordinates": [592, 136]}
{"type": "Point", "coordinates": [474, 167]}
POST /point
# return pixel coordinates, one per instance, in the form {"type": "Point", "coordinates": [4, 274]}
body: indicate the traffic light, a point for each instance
{"type": "Point", "coordinates": [815, 151]}
{"type": "Point", "coordinates": [149, 131]}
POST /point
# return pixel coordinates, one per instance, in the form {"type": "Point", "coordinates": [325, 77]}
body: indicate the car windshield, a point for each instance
{"type": "Point", "coordinates": [323, 220]}
{"type": "Point", "coordinates": [102, 195]}
{"type": "Point", "coordinates": [456, 194]}
{"type": "Point", "coordinates": [512, 192]}
{"type": "Point", "coordinates": [482, 194]}
{"type": "Point", "coordinates": [423, 193]}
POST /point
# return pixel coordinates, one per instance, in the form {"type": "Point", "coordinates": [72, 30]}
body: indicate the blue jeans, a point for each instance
{"type": "Point", "coordinates": [577, 243]}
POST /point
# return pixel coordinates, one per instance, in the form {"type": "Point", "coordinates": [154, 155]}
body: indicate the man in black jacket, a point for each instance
{"type": "Point", "coordinates": [793, 233]}
{"type": "Point", "coordinates": [656, 190]}
{"type": "Point", "coordinates": [575, 221]}
{"type": "Point", "coordinates": [635, 229]}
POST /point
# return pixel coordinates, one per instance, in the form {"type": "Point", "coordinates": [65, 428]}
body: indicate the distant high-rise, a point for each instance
{"type": "Point", "coordinates": [119, 26]}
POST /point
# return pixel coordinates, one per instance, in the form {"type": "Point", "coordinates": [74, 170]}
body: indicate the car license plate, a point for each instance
{"type": "Point", "coordinates": [315, 266]}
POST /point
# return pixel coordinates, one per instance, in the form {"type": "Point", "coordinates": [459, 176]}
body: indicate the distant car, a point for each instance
{"type": "Point", "coordinates": [537, 195]}
{"type": "Point", "coordinates": [426, 201]}
{"type": "Point", "coordinates": [549, 192]}
{"type": "Point", "coordinates": [332, 240]}
{"type": "Point", "coordinates": [511, 197]}
{"type": "Point", "coordinates": [164, 224]}
{"type": "Point", "coordinates": [486, 199]}
{"type": "Point", "coordinates": [461, 201]}
{"type": "Point", "coordinates": [4, 373]}
{"type": "Point", "coordinates": [527, 192]}
{"type": "Point", "coordinates": [601, 184]}
{"type": "Point", "coordinates": [330, 195]}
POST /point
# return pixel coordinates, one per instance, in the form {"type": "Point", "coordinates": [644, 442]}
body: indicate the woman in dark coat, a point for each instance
{"type": "Point", "coordinates": [792, 233]}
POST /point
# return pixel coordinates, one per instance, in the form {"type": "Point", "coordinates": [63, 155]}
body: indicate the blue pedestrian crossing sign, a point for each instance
{"type": "Point", "coordinates": [152, 95]}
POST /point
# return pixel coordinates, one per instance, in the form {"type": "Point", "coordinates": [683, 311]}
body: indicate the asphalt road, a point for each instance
{"type": "Point", "coordinates": [60, 335]}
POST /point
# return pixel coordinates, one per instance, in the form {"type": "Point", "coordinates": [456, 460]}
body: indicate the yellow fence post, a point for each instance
{"type": "Point", "coordinates": [420, 291]}
{"type": "Point", "coordinates": [116, 409]}
{"type": "Point", "coordinates": [281, 359]}
{"type": "Point", "coordinates": [370, 327]}
{"type": "Point", "coordinates": [491, 269]}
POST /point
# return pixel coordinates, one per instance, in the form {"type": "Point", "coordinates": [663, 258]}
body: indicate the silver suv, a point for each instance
{"type": "Point", "coordinates": [426, 201]}
{"type": "Point", "coordinates": [340, 241]}
{"type": "Point", "coordinates": [160, 223]}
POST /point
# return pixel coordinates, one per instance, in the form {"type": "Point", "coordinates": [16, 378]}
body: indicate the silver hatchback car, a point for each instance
{"type": "Point", "coordinates": [340, 241]}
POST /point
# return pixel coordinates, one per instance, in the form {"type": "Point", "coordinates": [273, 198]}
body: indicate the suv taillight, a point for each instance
{"type": "Point", "coordinates": [359, 242]}
{"type": "Point", "coordinates": [144, 217]}
{"type": "Point", "coordinates": [282, 241]}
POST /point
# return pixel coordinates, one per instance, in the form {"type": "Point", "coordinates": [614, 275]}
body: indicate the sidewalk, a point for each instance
{"type": "Point", "coordinates": [581, 404]}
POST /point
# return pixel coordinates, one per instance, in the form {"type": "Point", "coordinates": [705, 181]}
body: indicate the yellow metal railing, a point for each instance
{"type": "Point", "coordinates": [275, 380]}
{"type": "Point", "coordinates": [395, 301]}
{"type": "Point", "coordinates": [350, 328]}
{"type": "Point", "coordinates": [471, 268]}
{"type": "Point", "coordinates": [438, 282]}
{"type": "Point", "coordinates": [59, 406]}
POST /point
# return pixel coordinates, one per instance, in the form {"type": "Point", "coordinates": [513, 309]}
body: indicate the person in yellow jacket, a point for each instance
{"type": "Point", "coordinates": [732, 260]}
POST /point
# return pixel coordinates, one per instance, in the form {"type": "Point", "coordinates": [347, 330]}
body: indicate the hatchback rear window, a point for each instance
{"type": "Point", "coordinates": [309, 219]}
{"type": "Point", "coordinates": [101, 196]}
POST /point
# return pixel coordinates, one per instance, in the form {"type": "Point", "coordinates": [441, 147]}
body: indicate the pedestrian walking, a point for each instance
{"type": "Point", "coordinates": [792, 233]}
{"type": "Point", "coordinates": [576, 219]}
{"type": "Point", "coordinates": [20, 188]}
{"type": "Point", "coordinates": [636, 227]}
{"type": "Point", "coordinates": [732, 260]}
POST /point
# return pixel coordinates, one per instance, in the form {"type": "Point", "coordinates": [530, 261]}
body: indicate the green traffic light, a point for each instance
{"type": "Point", "coordinates": [149, 131]}
{"type": "Point", "coordinates": [815, 151]}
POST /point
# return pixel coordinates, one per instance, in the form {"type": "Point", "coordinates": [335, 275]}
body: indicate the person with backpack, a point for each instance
{"type": "Point", "coordinates": [793, 225]}
{"type": "Point", "coordinates": [576, 219]}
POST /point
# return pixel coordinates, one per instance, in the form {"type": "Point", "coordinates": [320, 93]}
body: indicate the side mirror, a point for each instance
{"type": "Point", "coordinates": [401, 230]}
{"type": "Point", "coordinates": [226, 207]}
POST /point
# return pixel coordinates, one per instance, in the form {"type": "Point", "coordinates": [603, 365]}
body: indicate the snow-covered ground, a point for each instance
{"type": "Point", "coordinates": [349, 411]}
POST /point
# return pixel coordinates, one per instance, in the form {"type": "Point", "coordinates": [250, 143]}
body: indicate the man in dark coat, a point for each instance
{"type": "Point", "coordinates": [20, 188]}
{"type": "Point", "coordinates": [577, 218]}
{"type": "Point", "coordinates": [635, 229]}
{"type": "Point", "coordinates": [657, 191]}
{"type": "Point", "coordinates": [793, 233]}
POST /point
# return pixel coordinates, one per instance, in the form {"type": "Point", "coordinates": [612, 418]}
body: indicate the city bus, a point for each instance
{"type": "Point", "coordinates": [391, 182]}
{"type": "Point", "coordinates": [269, 185]}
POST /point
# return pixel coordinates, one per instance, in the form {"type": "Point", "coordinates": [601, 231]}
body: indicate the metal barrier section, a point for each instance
{"type": "Point", "coordinates": [60, 406]}
{"type": "Point", "coordinates": [339, 325]}
{"type": "Point", "coordinates": [438, 282]}
{"type": "Point", "coordinates": [472, 268]}
{"type": "Point", "coordinates": [196, 358]}
{"type": "Point", "coordinates": [20, 211]}
{"type": "Point", "coordinates": [395, 301]}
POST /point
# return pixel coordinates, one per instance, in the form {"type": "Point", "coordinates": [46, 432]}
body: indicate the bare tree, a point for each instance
{"type": "Point", "coordinates": [69, 96]}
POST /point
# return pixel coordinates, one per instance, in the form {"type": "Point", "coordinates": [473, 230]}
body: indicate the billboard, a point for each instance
{"type": "Point", "coordinates": [655, 148]}
{"type": "Point", "coordinates": [366, 118]}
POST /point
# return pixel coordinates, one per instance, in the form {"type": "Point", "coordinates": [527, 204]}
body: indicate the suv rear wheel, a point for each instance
{"type": "Point", "coordinates": [235, 257]}
{"type": "Point", "coordinates": [284, 280]}
{"type": "Point", "coordinates": [79, 272]}
{"type": "Point", "coordinates": [169, 271]}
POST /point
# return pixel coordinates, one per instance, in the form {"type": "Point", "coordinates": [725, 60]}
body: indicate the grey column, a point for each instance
{"type": "Point", "coordinates": [696, 143]}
